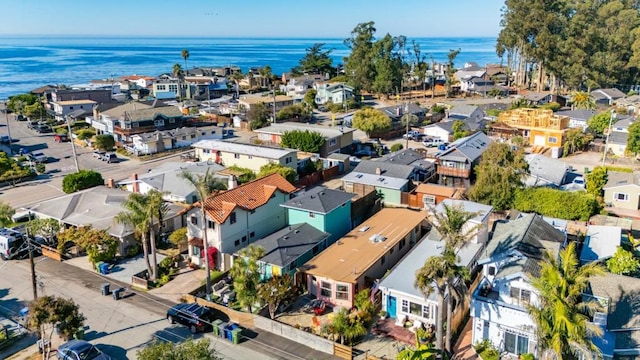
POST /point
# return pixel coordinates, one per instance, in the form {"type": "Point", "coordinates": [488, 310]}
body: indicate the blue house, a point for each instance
{"type": "Point", "coordinates": [325, 209]}
{"type": "Point", "coordinates": [287, 249]}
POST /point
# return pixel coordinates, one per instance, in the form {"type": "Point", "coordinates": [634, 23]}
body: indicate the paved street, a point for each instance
{"type": "Point", "coordinates": [122, 327]}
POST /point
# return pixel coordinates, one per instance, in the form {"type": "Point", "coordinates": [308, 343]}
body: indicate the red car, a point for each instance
{"type": "Point", "coordinates": [61, 138]}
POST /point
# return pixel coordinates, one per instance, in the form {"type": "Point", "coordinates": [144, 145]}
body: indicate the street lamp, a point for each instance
{"type": "Point", "coordinates": [606, 144]}
{"type": "Point", "coordinates": [34, 284]}
{"type": "Point", "coordinates": [73, 145]}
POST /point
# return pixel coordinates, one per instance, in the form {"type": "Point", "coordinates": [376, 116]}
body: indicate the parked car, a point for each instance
{"type": "Point", "coordinates": [38, 157]}
{"type": "Point", "coordinates": [32, 124]}
{"type": "Point", "coordinates": [411, 135]}
{"type": "Point", "coordinates": [98, 154]}
{"type": "Point", "coordinates": [5, 139]}
{"type": "Point", "coordinates": [61, 138]}
{"type": "Point", "coordinates": [43, 129]}
{"type": "Point", "coordinates": [197, 318]}
{"type": "Point", "coordinates": [80, 350]}
{"type": "Point", "coordinates": [433, 142]}
{"type": "Point", "coordinates": [109, 158]}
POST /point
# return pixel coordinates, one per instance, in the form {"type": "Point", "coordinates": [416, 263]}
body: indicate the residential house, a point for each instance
{"type": "Point", "coordinates": [107, 116]}
{"type": "Point", "coordinates": [335, 93]}
{"type": "Point", "coordinates": [100, 96]}
{"type": "Point", "coordinates": [469, 71]}
{"type": "Point", "coordinates": [237, 217]}
{"type": "Point", "coordinates": [617, 139]}
{"type": "Point", "coordinates": [167, 179]}
{"type": "Point", "coordinates": [546, 171]}
{"type": "Point", "coordinates": [387, 179]}
{"type": "Point", "coordinates": [298, 86]}
{"type": "Point", "coordinates": [159, 141]}
{"type": "Point", "coordinates": [509, 262]}
{"type": "Point", "coordinates": [619, 316]}
{"type": "Point", "coordinates": [539, 127]}
{"type": "Point", "coordinates": [631, 103]}
{"type": "Point", "coordinates": [133, 82]}
{"type": "Point", "coordinates": [364, 255]}
{"type": "Point", "coordinates": [607, 97]}
{"type": "Point", "coordinates": [290, 248]}
{"type": "Point", "coordinates": [622, 190]}
{"type": "Point", "coordinates": [465, 112]}
{"type": "Point", "coordinates": [537, 99]}
{"type": "Point", "coordinates": [246, 102]}
{"type": "Point", "coordinates": [336, 138]}
{"type": "Point", "coordinates": [600, 243]}
{"type": "Point", "coordinates": [455, 165]}
{"type": "Point", "coordinates": [168, 87]}
{"type": "Point", "coordinates": [325, 209]}
{"type": "Point", "coordinates": [442, 130]}
{"type": "Point", "coordinates": [97, 207]}
{"type": "Point", "coordinates": [578, 118]}
{"type": "Point", "coordinates": [477, 225]}
{"type": "Point", "coordinates": [145, 120]}
{"type": "Point", "coordinates": [244, 155]}
{"type": "Point", "coordinates": [425, 168]}
{"type": "Point", "coordinates": [396, 112]}
{"type": "Point", "coordinates": [400, 297]}
{"type": "Point", "coordinates": [63, 108]}
{"type": "Point", "coordinates": [433, 194]}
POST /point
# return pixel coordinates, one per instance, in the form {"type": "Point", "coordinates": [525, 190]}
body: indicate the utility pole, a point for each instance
{"type": "Point", "coordinates": [407, 119]}
{"type": "Point", "coordinates": [274, 104]}
{"type": "Point", "coordinates": [433, 78]}
{"type": "Point", "coordinates": [6, 117]}
{"type": "Point", "coordinates": [73, 145]}
{"type": "Point", "coordinates": [34, 283]}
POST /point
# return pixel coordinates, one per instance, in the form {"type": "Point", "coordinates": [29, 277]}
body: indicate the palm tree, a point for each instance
{"type": "Point", "coordinates": [237, 77]}
{"type": "Point", "coordinates": [450, 225]}
{"type": "Point", "coordinates": [178, 73]}
{"type": "Point", "coordinates": [204, 186]}
{"type": "Point", "coordinates": [265, 73]}
{"type": "Point", "coordinates": [185, 56]}
{"type": "Point", "coordinates": [136, 216]}
{"type": "Point", "coordinates": [245, 273]}
{"type": "Point", "coordinates": [563, 329]}
{"type": "Point", "coordinates": [583, 100]}
{"type": "Point", "coordinates": [157, 209]}
{"type": "Point", "coordinates": [421, 352]}
{"type": "Point", "coordinates": [433, 276]}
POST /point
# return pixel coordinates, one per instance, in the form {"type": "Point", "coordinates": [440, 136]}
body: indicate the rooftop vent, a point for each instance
{"type": "Point", "coordinates": [377, 238]}
{"type": "Point", "coordinates": [364, 228]}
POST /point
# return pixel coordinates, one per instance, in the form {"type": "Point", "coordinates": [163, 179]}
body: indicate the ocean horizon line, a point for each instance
{"type": "Point", "coordinates": [240, 37]}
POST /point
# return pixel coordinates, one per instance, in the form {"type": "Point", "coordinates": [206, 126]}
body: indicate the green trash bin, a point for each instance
{"type": "Point", "coordinates": [235, 335]}
{"type": "Point", "coordinates": [216, 327]}
{"type": "Point", "coordinates": [79, 335]}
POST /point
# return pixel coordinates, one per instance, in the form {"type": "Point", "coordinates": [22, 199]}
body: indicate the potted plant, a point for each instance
{"type": "Point", "coordinates": [383, 314]}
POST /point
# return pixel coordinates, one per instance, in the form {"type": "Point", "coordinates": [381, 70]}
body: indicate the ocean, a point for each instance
{"type": "Point", "coordinates": [28, 62]}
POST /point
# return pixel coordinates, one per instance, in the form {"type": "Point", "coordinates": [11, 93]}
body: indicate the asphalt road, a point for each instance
{"type": "Point", "coordinates": [121, 328]}
{"type": "Point", "coordinates": [60, 163]}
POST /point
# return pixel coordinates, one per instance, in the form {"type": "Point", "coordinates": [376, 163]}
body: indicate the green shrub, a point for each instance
{"type": "Point", "coordinates": [40, 168]}
{"type": "Point", "coordinates": [132, 250]}
{"type": "Point", "coordinates": [553, 106]}
{"type": "Point", "coordinates": [81, 180]}
{"type": "Point", "coordinates": [438, 109]}
{"type": "Point", "coordinates": [493, 112]}
{"type": "Point", "coordinates": [619, 169]}
{"type": "Point", "coordinates": [545, 201]}
{"type": "Point", "coordinates": [85, 134]}
{"type": "Point", "coordinates": [396, 147]}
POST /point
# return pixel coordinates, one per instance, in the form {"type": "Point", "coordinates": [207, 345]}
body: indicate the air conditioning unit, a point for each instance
{"type": "Point", "coordinates": [377, 238]}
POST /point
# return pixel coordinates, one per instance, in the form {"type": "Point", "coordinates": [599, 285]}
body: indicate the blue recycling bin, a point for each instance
{"type": "Point", "coordinates": [228, 331]}
{"type": "Point", "coordinates": [104, 268]}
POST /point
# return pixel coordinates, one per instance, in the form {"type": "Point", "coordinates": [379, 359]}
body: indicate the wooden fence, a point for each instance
{"type": "Point", "coordinates": [51, 253]}
{"type": "Point", "coordinates": [241, 318]}
{"type": "Point", "coordinates": [342, 351]}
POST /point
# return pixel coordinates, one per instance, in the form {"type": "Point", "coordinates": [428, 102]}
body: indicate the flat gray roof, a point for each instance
{"type": "Point", "coordinates": [375, 180]}
{"type": "Point", "coordinates": [244, 149]}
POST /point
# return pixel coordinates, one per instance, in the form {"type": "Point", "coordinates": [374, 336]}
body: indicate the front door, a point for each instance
{"type": "Point", "coordinates": [313, 286]}
{"type": "Point", "coordinates": [391, 306]}
{"type": "Point", "coordinates": [485, 330]}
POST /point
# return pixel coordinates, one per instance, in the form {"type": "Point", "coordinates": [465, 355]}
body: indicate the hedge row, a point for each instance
{"type": "Point", "coordinates": [557, 203]}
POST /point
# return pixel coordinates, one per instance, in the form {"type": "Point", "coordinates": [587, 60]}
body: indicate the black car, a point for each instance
{"type": "Point", "coordinates": [197, 318]}
{"type": "Point", "coordinates": [80, 350]}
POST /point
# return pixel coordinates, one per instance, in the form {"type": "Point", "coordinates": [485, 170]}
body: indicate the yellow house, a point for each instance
{"type": "Point", "coordinates": [539, 126]}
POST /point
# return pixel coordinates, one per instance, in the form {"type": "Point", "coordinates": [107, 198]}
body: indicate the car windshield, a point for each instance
{"type": "Point", "coordinates": [89, 354]}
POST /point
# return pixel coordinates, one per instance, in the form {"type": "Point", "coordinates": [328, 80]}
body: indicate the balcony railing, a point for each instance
{"type": "Point", "coordinates": [133, 131]}
{"type": "Point", "coordinates": [454, 172]}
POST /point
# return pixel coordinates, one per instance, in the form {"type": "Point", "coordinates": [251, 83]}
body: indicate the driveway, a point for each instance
{"type": "Point", "coordinates": [122, 272]}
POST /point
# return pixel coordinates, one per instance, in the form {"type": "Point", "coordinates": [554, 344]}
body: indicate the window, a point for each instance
{"type": "Point", "coordinates": [426, 311]}
{"type": "Point", "coordinates": [405, 306]}
{"type": "Point", "coordinates": [161, 87]}
{"type": "Point", "coordinates": [325, 289]}
{"type": "Point", "coordinates": [172, 121]}
{"type": "Point", "coordinates": [342, 292]}
{"type": "Point", "coordinates": [333, 142]}
{"type": "Point", "coordinates": [244, 239]}
{"type": "Point", "coordinates": [211, 224]}
{"type": "Point", "coordinates": [287, 160]}
{"type": "Point", "coordinates": [429, 199]}
{"type": "Point", "coordinates": [173, 88]}
{"type": "Point", "coordinates": [193, 136]}
{"type": "Point", "coordinates": [315, 249]}
{"type": "Point", "coordinates": [252, 234]}
{"type": "Point", "coordinates": [237, 242]}
{"type": "Point", "coordinates": [516, 344]}
{"type": "Point", "coordinates": [312, 215]}
{"type": "Point", "coordinates": [621, 196]}
{"type": "Point", "coordinates": [236, 156]}
{"type": "Point", "coordinates": [158, 122]}
{"type": "Point", "coordinates": [194, 220]}
{"type": "Point", "coordinates": [249, 157]}
{"type": "Point", "coordinates": [252, 212]}
{"type": "Point", "coordinates": [521, 296]}
{"type": "Point", "coordinates": [402, 243]}
{"type": "Point", "coordinates": [184, 137]}
{"type": "Point", "coordinates": [415, 309]}
{"type": "Point", "coordinates": [197, 251]}
{"type": "Point", "coordinates": [232, 218]}
{"type": "Point", "coordinates": [492, 270]}
{"type": "Point", "coordinates": [382, 259]}
{"type": "Point", "coordinates": [552, 140]}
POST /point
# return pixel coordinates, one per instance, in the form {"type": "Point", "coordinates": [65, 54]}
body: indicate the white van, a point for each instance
{"type": "Point", "coordinates": [38, 157]}
{"type": "Point", "coordinates": [13, 244]}
{"type": "Point", "coordinates": [433, 142]}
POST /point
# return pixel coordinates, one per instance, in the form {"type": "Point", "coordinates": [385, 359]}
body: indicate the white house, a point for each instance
{"type": "Point", "coordinates": [237, 217]}
{"type": "Point", "coordinates": [63, 108]}
{"type": "Point", "coordinates": [337, 93]}
{"type": "Point", "coordinates": [159, 141]}
{"type": "Point", "coordinates": [477, 225]}
{"type": "Point", "coordinates": [600, 243]}
{"type": "Point", "coordinates": [440, 130]}
{"type": "Point", "coordinates": [244, 155]}
{"type": "Point", "coordinates": [510, 260]}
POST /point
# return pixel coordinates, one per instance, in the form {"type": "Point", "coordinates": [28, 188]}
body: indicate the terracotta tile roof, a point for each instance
{"type": "Point", "coordinates": [439, 190]}
{"type": "Point", "coordinates": [248, 196]}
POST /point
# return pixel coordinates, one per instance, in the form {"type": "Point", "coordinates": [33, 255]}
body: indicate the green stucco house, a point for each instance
{"type": "Point", "coordinates": [325, 209]}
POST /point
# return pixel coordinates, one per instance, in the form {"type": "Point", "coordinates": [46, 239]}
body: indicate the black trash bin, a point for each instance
{"type": "Point", "coordinates": [117, 293]}
{"type": "Point", "coordinates": [105, 289]}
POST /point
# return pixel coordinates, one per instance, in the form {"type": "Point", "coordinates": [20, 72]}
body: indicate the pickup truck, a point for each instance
{"type": "Point", "coordinates": [38, 157]}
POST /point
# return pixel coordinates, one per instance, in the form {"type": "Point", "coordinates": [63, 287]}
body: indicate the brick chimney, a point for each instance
{"type": "Point", "coordinates": [135, 186]}
{"type": "Point", "coordinates": [378, 171]}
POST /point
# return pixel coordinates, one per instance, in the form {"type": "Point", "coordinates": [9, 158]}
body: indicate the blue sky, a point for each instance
{"type": "Point", "coordinates": [255, 18]}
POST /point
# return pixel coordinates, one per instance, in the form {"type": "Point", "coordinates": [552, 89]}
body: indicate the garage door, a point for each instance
{"type": "Point", "coordinates": [539, 140]}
